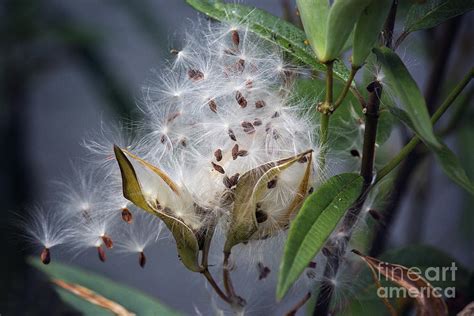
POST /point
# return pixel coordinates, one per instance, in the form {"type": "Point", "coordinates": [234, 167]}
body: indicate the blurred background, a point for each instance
{"type": "Point", "coordinates": [68, 66]}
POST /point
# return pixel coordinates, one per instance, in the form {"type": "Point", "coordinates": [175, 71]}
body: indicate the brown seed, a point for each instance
{"type": "Point", "coordinates": [217, 168]}
{"type": "Point", "coordinates": [227, 182]}
{"type": "Point", "coordinates": [218, 154]}
{"type": "Point", "coordinates": [172, 116]}
{"type": "Point", "coordinates": [163, 139]}
{"type": "Point", "coordinates": [261, 216]}
{"type": "Point", "coordinates": [141, 259]}
{"type": "Point", "coordinates": [232, 135]}
{"type": "Point", "coordinates": [249, 84]}
{"type": "Point", "coordinates": [375, 215]}
{"type": "Point", "coordinates": [263, 271]}
{"type": "Point", "coordinates": [45, 256]}
{"type": "Point", "coordinates": [268, 127]}
{"type": "Point", "coordinates": [174, 51]}
{"type": "Point", "coordinates": [127, 215]}
{"type": "Point", "coordinates": [276, 114]}
{"type": "Point", "coordinates": [326, 252]}
{"type": "Point", "coordinates": [303, 159]}
{"type": "Point", "coordinates": [311, 190]}
{"type": "Point", "coordinates": [355, 153]}
{"type": "Point", "coordinates": [235, 151]}
{"type": "Point", "coordinates": [234, 179]}
{"type": "Point", "coordinates": [240, 99]}
{"type": "Point", "coordinates": [195, 74]}
{"type": "Point", "coordinates": [183, 142]}
{"type": "Point", "coordinates": [235, 37]}
{"type": "Point", "coordinates": [213, 105]}
{"type": "Point", "coordinates": [101, 254]}
{"type": "Point", "coordinates": [107, 241]}
{"type": "Point", "coordinates": [272, 183]}
{"type": "Point", "coordinates": [242, 153]}
{"type": "Point", "coordinates": [260, 104]}
{"type": "Point", "coordinates": [312, 265]}
{"type": "Point", "coordinates": [240, 65]}
{"type": "Point", "coordinates": [257, 122]}
{"type": "Point", "coordinates": [248, 127]}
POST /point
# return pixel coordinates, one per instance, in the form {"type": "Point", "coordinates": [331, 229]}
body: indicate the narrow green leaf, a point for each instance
{"type": "Point", "coordinates": [314, 14]}
{"type": "Point", "coordinates": [452, 167]}
{"type": "Point", "coordinates": [131, 299]}
{"type": "Point", "coordinates": [406, 89]}
{"type": "Point", "coordinates": [186, 241]}
{"type": "Point", "coordinates": [314, 223]}
{"type": "Point", "coordinates": [341, 20]}
{"type": "Point", "coordinates": [428, 14]}
{"type": "Point", "coordinates": [277, 31]}
{"type": "Point", "coordinates": [367, 30]}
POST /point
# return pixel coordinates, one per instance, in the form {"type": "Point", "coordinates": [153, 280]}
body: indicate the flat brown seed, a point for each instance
{"type": "Point", "coordinates": [240, 99]}
{"type": "Point", "coordinates": [240, 65]}
{"type": "Point", "coordinates": [227, 182]}
{"type": "Point", "coordinates": [242, 153]}
{"type": "Point", "coordinates": [232, 135]}
{"type": "Point", "coordinates": [234, 179]}
{"type": "Point", "coordinates": [218, 154]}
{"type": "Point", "coordinates": [263, 271]}
{"type": "Point", "coordinates": [276, 114]}
{"type": "Point", "coordinates": [257, 122]}
{"type": "Point", "coordinates": [272, 183]}
{"type": "Point", "coordinates": [213, 106]}
{"type": "Point", "coordinates": [235, 37]}
{"type": "Point", "coordinates": [107, 241]}
{"type": "Point", "coordinates": [195, 74]}
{"type": "Point", "coordinates": [303, 159]}
{"type": "Point", "coordinates": [174, 51]}
{"type": "Point", "coordinates": [141, 259]}
{"type": "Point", "coordinates": [218, 168]}
{"type": "Point", "coordinates": [268, 127]}
{"type": "Point", "coordinates": [173, 116]}
{"type": "Point", "coordinates": [260, 104]}
{"type": "Point", "coordinates": [312, 265]}
{"type": "Point", "coordinates": [248, 127]}
{"type": "Point", "coordinates": [261, 216]}
{"type": "Point", "coordinates": [311, 190]}
{"type": "Point", "coordinates": [101, 254]}
{"type": "Point", "coordinates": [163, 139]}
{"type": "Point", "coordinates": [127, 216]}
{"type": "Point", "coordinates": [375, 215]}
{"type": "Point", "coordinates": [235, 151]}
{"type": "Point", "coordinates": [355, 153]}
{"type": "Point", "coordinates": [45, 256]}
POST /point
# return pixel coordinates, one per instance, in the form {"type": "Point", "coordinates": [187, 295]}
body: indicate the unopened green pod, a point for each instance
{"type": "Point", "coordinates": [314, 15]}
{"type": "Point", "coordinates": [367, 30]}
{"type": "Point", "coordinates": [341, 20]}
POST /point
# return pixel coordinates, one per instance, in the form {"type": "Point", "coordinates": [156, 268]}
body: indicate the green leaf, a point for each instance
{"type": "Point", "coordinates": [186, 241]}
{"type": "Point", "coordinates": [131, 299]}
{"type": "Point", "coordinates": [406, 89]}
{"type": "Point", "coordinates": [452, 167]}
{"type": "Point", "coordinates": [314, 14]}
{"type": "Point", "coordinates": [250, 190]}
{"type": "Point", "coordinates": [367, 30]}
{"type": "Point", "coordinates": [430, 13]}
{"type": "Point", "coordinates": [341, 20]}
{"type": "Point", "coordinates": [277, 31]}
{"type": "Point", "coordinates": [314, 223]}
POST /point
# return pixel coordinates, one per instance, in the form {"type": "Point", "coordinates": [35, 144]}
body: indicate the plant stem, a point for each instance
{"type": "Point", "coordinates": [390, 24]}
{"type": "Point", "coordinates": [235, 300]}
{"type": "Point", "coordinates": [337, 248]}
{"type": "Point", "coordinates": [346, 89]}
{"type": "Point", "coordinates": [216, 287]}
{"type": "Point", "coordinates": [392, 164]}
{"type": "Point", "coordinates": [326, 109]}
{"type": "Point", "coordinates": [298, 305]}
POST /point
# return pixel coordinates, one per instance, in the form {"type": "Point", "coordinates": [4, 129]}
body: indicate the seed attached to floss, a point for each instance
{"type": "Point", "coordinates": [213, 105]}
{"type": "Point", "coordinates": [227, 182]}
{"type": "Point", "coordinates": [375, 215]}
{"type": "Point", "coordinates": [263, 271]}
{"type": "Point", "coordinates": [235, 151]}
{"type": "Point", "coordinates": [141, 259]}
{"type": "Point", "coordinates": [355, 153]}
{"type": "Point", "coordinates": [272, 183]}
{"type": "Point", "coordinates": [218, 155]}
{"type": "Point", "coordinates": [248, 127]}
{"type": "Point", "coordinates": [242, 153]}
{"type": "Point", "coordinates": [260, 104]}
{"type": "Point", "coordinates": [240, 99]}
{"type": "Point", "coordinates": [195, 74]}
{"type": "Point", "coordinates": [45, 256]}
{"type": "Point", "coordinates": [235, 37]}
{"type": "Point", "coordinates": [257, 122]}
{"type": "Point", "coordinates": [107, 241]}
{"type": "Point", "coordinates": [127, 216]}
{"type": "Point", "coordinates": [312, 265]}
{"type": "Point", "coordinates": [174, 51]}
{"type": "Point", "coordinates": [232, 135]}
{"type": "Point", "coordinates": [234, 179]}
{"type": "Point", "coordinates": [101, 254]}
{"type": "Point", "coordinates": [218, 168]}
{"type": "Point", "coordinates": [261, 216]}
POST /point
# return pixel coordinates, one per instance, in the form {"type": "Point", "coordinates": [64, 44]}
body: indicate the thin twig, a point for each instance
{"type": "Point", "coordinates": [346, 88]}
{"type": "Point", "coordinates": [299, 304]}
{"type": "Point", "coordinates": [215, 286]}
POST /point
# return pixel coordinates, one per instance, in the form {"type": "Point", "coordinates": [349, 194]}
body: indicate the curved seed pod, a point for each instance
{"type": "Point", "coordinates": [314, 14]}
{"type": "Point", "coordinates": [367, 30]}
{"type": "Point", "coordinates": [341, 20]}
{"type": "Point", "coordinates": [250, 189]}
{"type": "Point", "coordinates": [186, 241]}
